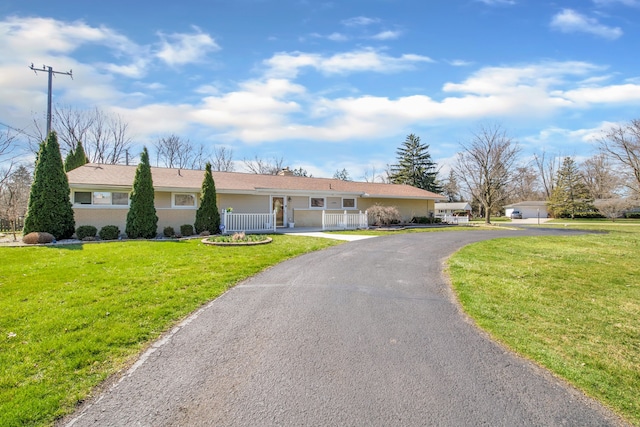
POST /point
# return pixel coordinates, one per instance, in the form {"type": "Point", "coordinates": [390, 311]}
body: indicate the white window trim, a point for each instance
{"type": "Point", "coordinates": [173, 201]}
{"type": "Point", "coordinates": [324, 203]}
{"type": "Point", "coordinates": [355, 202]}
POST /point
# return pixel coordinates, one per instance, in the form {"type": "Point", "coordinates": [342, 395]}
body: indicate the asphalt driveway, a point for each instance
{"type": "Point", "coordinates": [365, 333]}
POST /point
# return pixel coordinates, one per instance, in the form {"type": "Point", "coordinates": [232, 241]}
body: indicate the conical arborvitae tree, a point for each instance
{"type": "Point", "coordinates": [142, 221]}
{"type": "Point", "coordinates": [75, 158]}
{"type": "Point", "coordinates": [49, 208]}
{"type": "Point", "coordinates": [207, 216]}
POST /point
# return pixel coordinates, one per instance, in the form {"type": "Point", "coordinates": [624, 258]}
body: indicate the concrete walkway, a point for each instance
{"type": "Point", "coordinates": [336, 236]}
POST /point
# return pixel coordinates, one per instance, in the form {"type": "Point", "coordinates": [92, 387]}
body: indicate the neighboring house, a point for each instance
{"type": "Point", "coordinates": [100, 196]}
{"type": "Point", "coordinates": [446, 208]}
{"type": "Point", "coordinates": [529, 209]}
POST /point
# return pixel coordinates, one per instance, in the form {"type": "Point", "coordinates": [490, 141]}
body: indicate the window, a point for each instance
{"type": "Point", "coordinates": [317, 202]}
{"type": "Point", "coordinates": [184, 200]}
{"type": "Point", "coordinates": [120, 199]}
{"type": "Point", "coordinates": [101, 198]}
{"type": "Point", "coordinates": [348, 203]}
{"type": "Point", "coordinates": [82, 197]}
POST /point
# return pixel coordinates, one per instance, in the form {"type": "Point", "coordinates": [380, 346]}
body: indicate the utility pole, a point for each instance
{"type": "Point", "coordinates": [49, 70]}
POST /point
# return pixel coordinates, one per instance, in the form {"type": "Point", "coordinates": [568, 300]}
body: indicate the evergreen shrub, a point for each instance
{"type": "Point", "coordinates": [142, 221]}
{"type": "Point", "coordinates": [186, 230]}
{"type": "Point", "coordinates": [168, 232]}
{"type": "Point", "coordinates": [207, 215]}
{"type": "Point", "coordinates": [109, 232]}
{"type": "Point", "coordinates": [86, 231]}
{"type": "Point", "coordinates": [49, 207]}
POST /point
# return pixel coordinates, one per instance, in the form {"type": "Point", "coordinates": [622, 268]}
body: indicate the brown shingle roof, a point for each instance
{"type": "Point", "coordinates": [96, 176]}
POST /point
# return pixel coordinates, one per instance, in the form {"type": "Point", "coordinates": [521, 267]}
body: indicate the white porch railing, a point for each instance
{"type": "Point", "coordinates": [453, 219]}
{"type": "Point", "coordinates": [344, 221]}
{"type": "Point", "coordinates": [248, 222]}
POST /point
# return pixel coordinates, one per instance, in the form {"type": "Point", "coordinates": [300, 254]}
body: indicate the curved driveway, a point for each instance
{"type": "Point", "coordinates": [365, 333]}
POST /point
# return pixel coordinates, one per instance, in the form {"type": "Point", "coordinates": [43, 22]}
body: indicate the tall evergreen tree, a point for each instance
{"type": "Point", "coordinates": [49, 209]}
{"type": "Point", "coordinates": [207, 216]}
{"type": "Point", "coordinates": [142, 221]}
{"type": "Point", "coordinates": [75, 158]}
{"type": "Point", "coordinates": [415, 166]}
{"type": "Point", "coordinates": [570, 195]}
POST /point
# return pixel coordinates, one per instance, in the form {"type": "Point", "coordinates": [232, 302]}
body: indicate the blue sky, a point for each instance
{"type": "Point", "coordinates": [328, 85]}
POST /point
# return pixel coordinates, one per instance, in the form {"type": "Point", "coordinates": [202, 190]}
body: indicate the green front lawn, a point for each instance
{"type": "Point", "coordinates": [70, 316]}
{"type": "Point", "coordinates": [570, 303]}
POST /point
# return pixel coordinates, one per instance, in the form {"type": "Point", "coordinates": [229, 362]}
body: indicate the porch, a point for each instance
{"type": "Point", "coordinates": [232, 222]}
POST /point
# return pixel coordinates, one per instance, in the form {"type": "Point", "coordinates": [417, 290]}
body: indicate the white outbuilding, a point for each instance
{"type": "Point", "coordinates": [529, 209]}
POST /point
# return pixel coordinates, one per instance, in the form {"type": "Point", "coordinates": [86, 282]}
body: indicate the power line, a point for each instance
{"type": "Point", "coordinates": [49, 70]}
{"type": "Point", "coordinates": [20, 131]}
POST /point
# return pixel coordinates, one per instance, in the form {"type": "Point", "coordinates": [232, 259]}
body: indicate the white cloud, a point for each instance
{"type": "Point", "coordinates": [364, 60]}
{"type": "Point", "coordinates": [570, 21]}
{"type": "Point", "coordinates": [387, 35]}
{"type": "Point", "coordinates": [499, 80]}
{"type": "Point", "coordinates": [614, 94]}
{"type": "Point", "coordinates": [337, 37]}
{"type": "Point", "coordinates": [180, 48]}
{"type": "Point", "coordinates": [460, 63]}
{"type": "Point", "coordinates": [497, 2]}
{"type": "Point", "coordinates": [359, 21]}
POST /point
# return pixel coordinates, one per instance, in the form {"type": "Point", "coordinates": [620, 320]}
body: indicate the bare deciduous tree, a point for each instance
{"type": "Point", "coordinates": [14, 196]}
{"type": "Point", "coordinates": [547, 168]}
{"type": "Point", "coordinates": [525, 184]}
{"type": "Point", "coordinates": [173, 152]}
{"type": "Point", "coordinates": [72, 125]}
{"type": "Point", "coordinates": [371, 175]}
{"type": "Point", "coordinates": [222, 159]}
{"type": "Point", "coordinates": [600, 178]}
{"type": "Point", "coordinates": [264, 167]}
{"type": "Point", "coordinates": [613, 208]}
{"type": "Point", "coordinates": [485, 166]}
{"type": "Point", "coordinates": [105, 137]}
{"type": "Point", "coordinates": [7, 154]}
{"type": "Point", "coordinates": [621, 144]}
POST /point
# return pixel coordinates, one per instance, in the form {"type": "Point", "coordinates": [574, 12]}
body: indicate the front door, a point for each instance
{"type": "Point", "coordinates": [278, 206]}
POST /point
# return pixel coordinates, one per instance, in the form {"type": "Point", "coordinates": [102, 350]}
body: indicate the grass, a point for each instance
{"type": "Point", "coordinates": [71, 316]}
{"type": "Point", "coordinates": [570, 303]}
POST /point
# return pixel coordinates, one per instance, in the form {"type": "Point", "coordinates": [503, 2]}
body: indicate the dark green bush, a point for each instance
{"type": "Point", "coordinates": [207, 215]}
{"type": "Point", "coordinates": [421, 220]}
{"type": "Point", "coordinates": [109, 232]}
{"type": "Point", "coordinates": [632, 215]}
{"type": "Point", "coordinates": [49, 207]}
{"type": "Point", "coordinates": [186, 230]}
{"type": "Point", "coordinates": [86, 231]}
{"type": "Point", "coordinates": [586, 215]}
{"type": "Point", "coordinates": [425, 220]}
{"type": "Point", "coordinates": [168, 232]}
{"type": "Point", "coordinates": [142, 220]}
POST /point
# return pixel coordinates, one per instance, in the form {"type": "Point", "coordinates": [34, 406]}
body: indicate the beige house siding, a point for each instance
{"type": "Point", "coordinates": [408, 208]}
{"type": "Point", "coordinates": [175, 218]}
{"type": "Point", "coordinates": [242, 203]}
{"type": "Point", "coordinates": [99, 217]}
{"type": "Point", "coordinates": [162, 200]}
